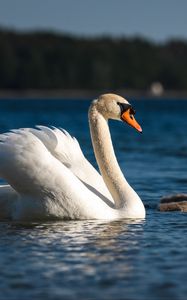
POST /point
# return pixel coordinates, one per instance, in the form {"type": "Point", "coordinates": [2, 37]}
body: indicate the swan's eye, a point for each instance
{"type": "Point", "coordinates": [124, 107]}
{"type": "Point", "coordinates": [132, 111]}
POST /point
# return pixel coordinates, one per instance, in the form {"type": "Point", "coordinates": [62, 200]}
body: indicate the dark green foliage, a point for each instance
{"type": "Point", "coordinates": [42, 60]}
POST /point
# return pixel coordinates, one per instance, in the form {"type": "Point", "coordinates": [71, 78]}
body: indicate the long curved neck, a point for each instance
{"type": "Point", "coordinates": [119, 188]}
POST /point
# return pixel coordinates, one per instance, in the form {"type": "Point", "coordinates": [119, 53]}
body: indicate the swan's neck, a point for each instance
{"type": "Point", "coordinates": [121, 191]}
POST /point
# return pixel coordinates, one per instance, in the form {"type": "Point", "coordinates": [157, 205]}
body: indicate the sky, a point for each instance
{"type": "Point", "coordinates": [158, 20]}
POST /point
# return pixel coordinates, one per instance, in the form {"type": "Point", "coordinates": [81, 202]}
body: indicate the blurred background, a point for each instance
{"type": "Point", "coordinates": [79, 48]}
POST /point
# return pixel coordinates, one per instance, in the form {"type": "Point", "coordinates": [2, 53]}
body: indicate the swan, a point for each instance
{"type": "Point", "coordinates": [49, 177]}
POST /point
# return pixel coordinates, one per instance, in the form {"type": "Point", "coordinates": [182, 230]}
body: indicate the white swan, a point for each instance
{"type": "Point", "coordinates": [49, 177]}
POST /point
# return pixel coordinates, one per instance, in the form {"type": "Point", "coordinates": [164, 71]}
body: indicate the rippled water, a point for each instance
{"type": "Point", "coordinates": [96, 259]}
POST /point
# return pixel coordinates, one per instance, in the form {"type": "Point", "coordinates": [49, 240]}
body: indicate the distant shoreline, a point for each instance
{"type": "Point", "coordinates": [88, 94]}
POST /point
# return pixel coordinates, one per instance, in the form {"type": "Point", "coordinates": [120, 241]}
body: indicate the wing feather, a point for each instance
{"type": "Point", "coordinates": [45, 185]}
{"type": "Point", "coordinates": [67, 150]}
{"type": "Point", "coordinates": [61, 145]}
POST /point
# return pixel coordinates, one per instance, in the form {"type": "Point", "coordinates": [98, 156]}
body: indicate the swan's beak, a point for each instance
{"type": "Point", "coordinates": [129, 118]}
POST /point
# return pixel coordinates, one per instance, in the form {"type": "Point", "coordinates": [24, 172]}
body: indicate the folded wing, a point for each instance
{"type": "Point", "coordinates": [45, 169]}
{"type": "Point", "coordinates": [67, 150]}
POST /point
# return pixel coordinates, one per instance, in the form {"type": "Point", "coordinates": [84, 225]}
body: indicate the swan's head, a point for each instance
{"type": "Point", "coordinates": [113, 106]}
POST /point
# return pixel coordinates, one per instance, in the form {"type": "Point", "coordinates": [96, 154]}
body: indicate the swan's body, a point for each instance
{"type": "Point", "coordinates": [49, 177]}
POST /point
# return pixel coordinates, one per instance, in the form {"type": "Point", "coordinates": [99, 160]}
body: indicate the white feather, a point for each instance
{"type": "Point", "coordinates": [67, 150]}
{"type": "Point", "coordinates": [50, 178]}
{"type": "Point", "coordinates": [46, 187]}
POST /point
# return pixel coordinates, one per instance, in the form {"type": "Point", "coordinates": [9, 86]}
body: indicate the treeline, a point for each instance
{"type": "Point", "coordinates": [42, 60]}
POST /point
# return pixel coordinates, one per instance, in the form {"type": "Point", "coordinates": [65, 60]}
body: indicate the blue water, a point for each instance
{"type": "Point", "coordinates": [96, 259]}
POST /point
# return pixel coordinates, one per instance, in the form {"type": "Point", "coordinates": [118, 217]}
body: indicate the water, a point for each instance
{"type": "Point", "coordinates": [97, 259]}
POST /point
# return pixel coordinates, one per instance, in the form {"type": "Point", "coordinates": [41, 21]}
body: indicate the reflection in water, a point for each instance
{"type": "Point", "coordinates": [95, 254]}
{"type": "Point", "coordinates": [87, 259]}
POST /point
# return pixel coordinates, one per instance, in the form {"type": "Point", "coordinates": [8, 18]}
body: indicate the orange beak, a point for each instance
{"type": "Point", "coordinates": [130, 119]}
